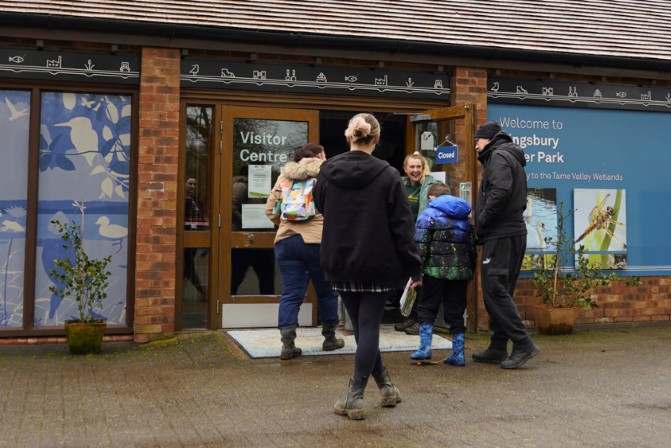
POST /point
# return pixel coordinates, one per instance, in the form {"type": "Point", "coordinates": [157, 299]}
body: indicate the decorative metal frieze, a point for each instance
{"type": "Point", "coordinates": [69, 66]}
{"type": "Point", "coordinates": [575, 94]}
{"type": "Point", "coordinates": [313, 79]}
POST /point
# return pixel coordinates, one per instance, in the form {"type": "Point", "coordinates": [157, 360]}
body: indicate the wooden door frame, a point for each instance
{"type": "Point", "coordinates": [276, 102]}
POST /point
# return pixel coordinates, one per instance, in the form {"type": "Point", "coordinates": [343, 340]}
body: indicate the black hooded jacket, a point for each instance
{"type": "Point", "coordinates": [503, 191]}
{"type": "Point", "coordinates": [368, 231]}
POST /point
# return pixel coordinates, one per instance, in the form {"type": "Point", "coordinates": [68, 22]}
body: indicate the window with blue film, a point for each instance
{"type": "Point", "coordinates": [84, 173]}
{"type": "Point", "coordinates": [14, 129]}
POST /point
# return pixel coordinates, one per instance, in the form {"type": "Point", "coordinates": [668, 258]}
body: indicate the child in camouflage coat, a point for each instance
{"type": "Point", "coordinates": [446, 242]}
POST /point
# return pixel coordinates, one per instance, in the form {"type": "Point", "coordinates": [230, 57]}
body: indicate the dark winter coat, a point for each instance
{"type": "Point", "coordinates": [446, 240]}
{"type": "Point", "coordinates": [368, 226]}
{"type": "Point", "coordinates": [503, 191]}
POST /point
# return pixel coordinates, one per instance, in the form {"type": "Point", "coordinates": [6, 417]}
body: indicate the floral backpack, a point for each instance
{"type": "Point", "coordinates": [297, 202]}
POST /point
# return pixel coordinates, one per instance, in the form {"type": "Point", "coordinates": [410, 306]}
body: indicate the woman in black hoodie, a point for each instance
{"type": "Point", "coordinates": [367, 249]}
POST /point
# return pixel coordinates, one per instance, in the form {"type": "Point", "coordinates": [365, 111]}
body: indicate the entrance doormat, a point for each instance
{"type": "Point", "coordinates": [265, 342]}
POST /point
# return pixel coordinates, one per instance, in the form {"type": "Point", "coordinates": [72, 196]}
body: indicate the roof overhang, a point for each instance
{"type": "Point", "coordinates": [188, 36]}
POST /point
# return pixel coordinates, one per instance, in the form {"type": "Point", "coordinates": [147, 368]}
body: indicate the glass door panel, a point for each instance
{"type": "Point", "coordinates": [258, 142]}
{"type": "Point", "coordinates": [260, 149]}
{"type": "Point", "coordinates": [193, 309]}
{"type": "Point", "coordinates": [14, 128]}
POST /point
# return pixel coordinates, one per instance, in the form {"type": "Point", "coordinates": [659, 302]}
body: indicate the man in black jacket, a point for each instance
{"type": "Point", "coordinates": [502, 233]}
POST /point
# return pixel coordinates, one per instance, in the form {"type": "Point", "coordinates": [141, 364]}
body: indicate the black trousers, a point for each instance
{"type": "Point", "coordinates": [500, 265]}
{"type": "Point", "coordinates": [451, 293]}
{"type": "Point", "coordinates": [365, 309]}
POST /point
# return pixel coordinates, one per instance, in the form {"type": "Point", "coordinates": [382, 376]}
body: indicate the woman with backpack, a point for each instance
{"type": "Point", "coordinates": [297, 242]}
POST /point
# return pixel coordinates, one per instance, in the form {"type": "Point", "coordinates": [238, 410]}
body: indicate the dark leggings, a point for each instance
{"type": "Point", "coordinates": [365, 310]}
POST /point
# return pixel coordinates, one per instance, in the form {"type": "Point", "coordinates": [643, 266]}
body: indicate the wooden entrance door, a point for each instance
{"type": "Point", "coordinates": [255, 145]}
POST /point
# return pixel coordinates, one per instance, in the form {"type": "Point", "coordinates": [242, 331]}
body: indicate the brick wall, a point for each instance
{"type": "Point", "coordinates": [157, 195]}
{"type": "Point", "coordinates": [469, 86]}
{"type": "Point", "coordinates": [650, 302]}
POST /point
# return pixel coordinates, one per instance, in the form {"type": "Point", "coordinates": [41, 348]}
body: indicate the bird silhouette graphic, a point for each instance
{"type": "Point", "coordinates": [14, 112]}
{"type": "Point", "coordinates": [83, 137]}
{"type": "Point", "coordinates": [112, 231]}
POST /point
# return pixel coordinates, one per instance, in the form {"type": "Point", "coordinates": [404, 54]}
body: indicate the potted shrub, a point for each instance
{"type": "Point", "coordinates": [85, 280]}
{"type": "Point", "coordinates": [564, 290]}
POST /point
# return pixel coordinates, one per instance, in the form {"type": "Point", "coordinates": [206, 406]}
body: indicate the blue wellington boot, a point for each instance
{"type": "Point", "coordinates": [457, 357]}
{"type": "Point", "coordinates": [425, 337]}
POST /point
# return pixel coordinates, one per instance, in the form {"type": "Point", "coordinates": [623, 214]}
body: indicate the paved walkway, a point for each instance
{"type": "Point", "coordinates": [595, 388]}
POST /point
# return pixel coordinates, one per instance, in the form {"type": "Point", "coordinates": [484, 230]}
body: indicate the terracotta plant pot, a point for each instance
{"type": "Point", "coordinates": [85, 337]}
{"type": "Point", "coordinates": [554, 320]}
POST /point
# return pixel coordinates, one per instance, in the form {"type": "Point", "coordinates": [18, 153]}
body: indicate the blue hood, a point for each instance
{"type": "Point", "coordinates": [452, 206]}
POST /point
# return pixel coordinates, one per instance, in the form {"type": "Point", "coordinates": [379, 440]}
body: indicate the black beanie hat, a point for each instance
{"type": "Point", "coordinates": [488, 130]}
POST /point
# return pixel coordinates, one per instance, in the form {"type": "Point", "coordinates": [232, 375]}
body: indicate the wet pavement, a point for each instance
{"type": "Point", "coordinates": [599, 387]}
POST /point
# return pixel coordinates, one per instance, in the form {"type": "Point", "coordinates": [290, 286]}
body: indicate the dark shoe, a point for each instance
{"type": "Point", "coordinates": [352, 404]}
{"type": "Point", "coordinates": [519, 357]}
{"type": "Point", "coordinates": [405, 324]}
{"type": "Point", "coordinates": [289, 350]}
{"type": "Point", "coordinates": [330, 341]}
{"type": "Point", "coordinates": [390, 306]}
{"type": "Point", "coordinates": [389, 393]}
{"type": "Point", "coordinates": [491, 356]}
{"type": "Point", "coordinates": [413, 329]}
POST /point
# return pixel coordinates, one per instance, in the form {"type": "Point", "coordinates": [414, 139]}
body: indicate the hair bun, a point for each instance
{"type": "Point", "coordinates": [358, 128]}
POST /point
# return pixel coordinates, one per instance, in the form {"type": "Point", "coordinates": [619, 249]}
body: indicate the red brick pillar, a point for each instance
{"type": "Point", "coordinates": [469, 86]}
{"type": "Point", "coordinates": [157, 195]}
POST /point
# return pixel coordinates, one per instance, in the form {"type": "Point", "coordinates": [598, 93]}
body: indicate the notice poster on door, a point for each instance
{"type": "Point", "coordinates": [254, 217]}
{"type": "Point", "coordinates": [259, 181]}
